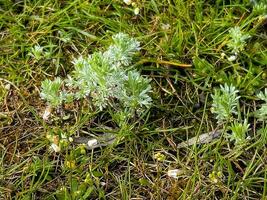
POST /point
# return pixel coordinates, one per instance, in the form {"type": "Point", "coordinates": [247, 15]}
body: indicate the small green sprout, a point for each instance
{"type": "Point", "coordinates": [225, 101]}
{"type": "Point", "coordinates": [50, 91]}
{"type": "Point", "coordinates": [263, 96]}
{"type": "Point", "coordinates": [263, 135]}
{"type": "Point", "coordinates": [215, 176]}
{"type": "Point", "coordinates": [239, 131]}
{"type": "Point", "coordinates": [260, 8]}
{"type": "Point", "coordinates": [262, 112]}
{"type": "Point", "coordinates": [238, 39]}
{"type": "Point", "coordinates": [136, 91]}
{"type": "Point", "coordinates": [37, 52]}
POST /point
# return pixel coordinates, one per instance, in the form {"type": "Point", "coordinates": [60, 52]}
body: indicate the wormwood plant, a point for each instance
{"type": "Point", "coordinates": [224, 106]}
{"type": "Point", "coordinates": [262, 112]}
{"type": "Point", "coordinates": [238, 39]}
{"type": "Point", "coordinates": [104, 80]}
{"type": "Point", "coordinates": [239, 131]}
{"type": "Point", "coordinates": [225, 101]}
{"type": "Point", "coordinates": [237, 42]}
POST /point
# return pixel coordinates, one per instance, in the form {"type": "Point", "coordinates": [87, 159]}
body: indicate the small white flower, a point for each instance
{"type": "Point", "coordinates": [102, 183]}
{"type": "Point", "coordinates": [232, 58]}
{"type": "Point", "coordinates": [70, 139]}
{"type": "Point", "coordinates": [55, 147]}
{"type": "Point", "coordinates": [7, 86]}
{"type": "Point", "coordinates": [174, 173]}
{"type": "Point", "coordinates": [92, 142]}
{"type": "Point", "coordinates": [128, 2]}
{"type": "Point", "coordinates": [223, 55]}
{"type": "Point", "coordinates": [165, 27]}
{"type": "Point", "coordinates": [136, 11]}
{"type": "Point", "coordinates": [47, 113]}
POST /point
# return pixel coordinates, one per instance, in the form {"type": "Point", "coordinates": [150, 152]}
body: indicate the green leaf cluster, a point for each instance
{"type": "Point", "coordinates": [225, 101]}
{"type": "Point", "coordinates": [239, 131]}
{"type": "Point", "coordinates": [262, 112]}
{"type": "Point", "coordinates": [51, 91]}
{"type": "Point", "coordinates": [238, 39]}
{"type": "Point", "coordinates": [104, 78]}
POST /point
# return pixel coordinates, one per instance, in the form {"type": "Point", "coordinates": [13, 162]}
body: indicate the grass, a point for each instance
{"type": "Point", "coordinates": [182, 45]}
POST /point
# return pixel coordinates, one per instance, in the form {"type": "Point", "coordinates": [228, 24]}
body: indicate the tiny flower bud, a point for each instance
{"type": "Point", "coordinates": [128, 2]}
{"type": "Point", "coordinates": [174, 173]}
{"type": "Point", "coordinates": [165, 27]}
{"type": "Point", "coordinates": [47, 113]}
{"type": "Point", "coordinates": [92, 142]}
{"type": "Point", "coordinates": [7, 86]}
{"type": "Point", "coordinates": [136, 11]}
{"type": "Point", "coordinates": [232, 58]}
{"type": "Point", "coordinates": [55, 147]}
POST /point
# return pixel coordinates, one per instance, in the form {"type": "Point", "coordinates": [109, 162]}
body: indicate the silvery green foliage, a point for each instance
{"type": "Point", "coordinates": [122, 51]}
{"type": "Point", "coordinates": [225, 101]}
{"type": "Point", "coordinates": [37, 52]}
{"type": "Point", "coordinates": [263, 134]}
{"type": "Point", "coordinates": [51, 91]}
{"type": "Point", "coordinates": [238, 39]}
{"type": "Point", "coordinates": [260, 8]}
{"type": "Point", "coordinates": [136, 91]}
{"type": "Point", "coordinates": [239, 131]}
{"type": "Point", "coordinates": [262, 112]}
{"type": "Point", "coordinates": [103, 77]}
{"type": "Point", "coordinates": [263, 96]}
